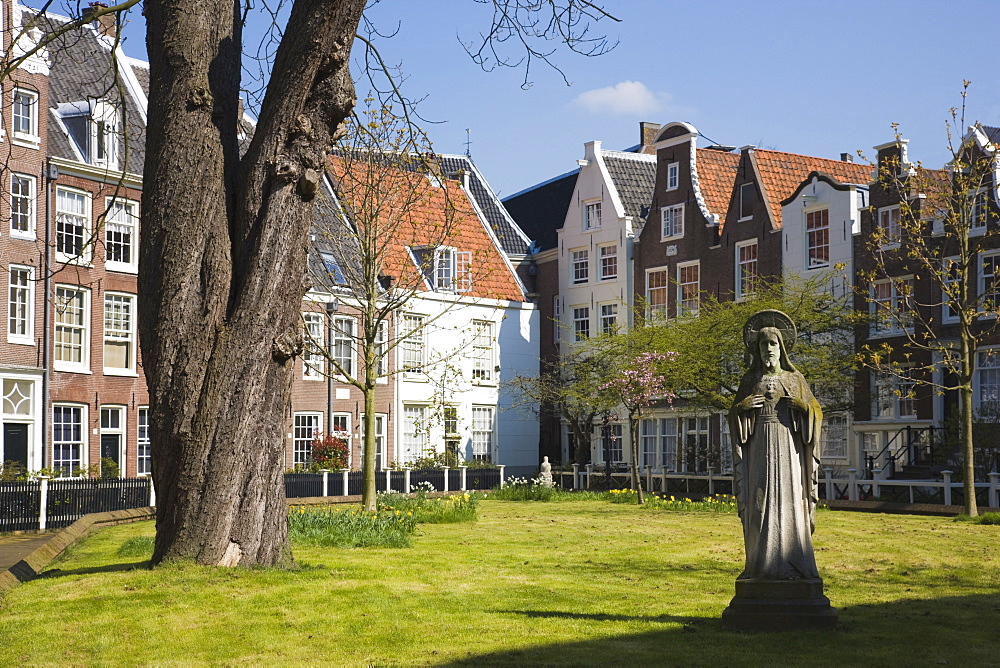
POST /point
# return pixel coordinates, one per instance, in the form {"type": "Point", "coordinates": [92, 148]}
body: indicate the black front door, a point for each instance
{"type": "Point", "coordinates": [111, 448]}
{"type": "Point", "coordinates": [15, 443]}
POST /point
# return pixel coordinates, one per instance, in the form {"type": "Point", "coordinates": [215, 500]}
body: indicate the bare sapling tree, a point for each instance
{"type": "Point", "coordinates": [398, 229]}
{"type": "Point", "coordinates": [930, 277]}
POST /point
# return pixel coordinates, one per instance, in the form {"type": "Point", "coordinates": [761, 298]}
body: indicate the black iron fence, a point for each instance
{"type": "Point", "coordinates": [57, 503]}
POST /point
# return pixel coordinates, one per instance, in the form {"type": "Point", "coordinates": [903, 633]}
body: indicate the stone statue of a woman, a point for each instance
{"type": "Point", "coordinates": [775, 424]}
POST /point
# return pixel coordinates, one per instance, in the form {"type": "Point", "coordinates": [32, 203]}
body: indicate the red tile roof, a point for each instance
{"type": "Point", "coordinates": [716, 175]}
{"type": "Point", "coordinates": [781, 173]}
{"type": "Point", "coordinates": [417, 211]}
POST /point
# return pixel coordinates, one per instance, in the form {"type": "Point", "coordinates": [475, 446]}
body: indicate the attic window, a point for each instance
{"type": "Point", "coordinates": [332, 268]}
{"type": "Point", "coordinates": [25, 117]}
{"type": "Point", "coordinates": [92, 126]}
{"type": "Point", "coordinates": [746, 201]}
{"type": "Point", "coordinates": [445, 268]}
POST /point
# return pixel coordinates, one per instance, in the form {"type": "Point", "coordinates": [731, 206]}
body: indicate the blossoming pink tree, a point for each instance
{"type": "Point", "coordinates": [637, 388]}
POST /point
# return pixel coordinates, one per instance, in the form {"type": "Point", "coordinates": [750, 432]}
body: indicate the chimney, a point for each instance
{"type": "Point", "coordinates": [846, 157]}
{"type": "Point", "coordinates": [647, 133]}
{"type": "Point", "coordinates": [107, 24]}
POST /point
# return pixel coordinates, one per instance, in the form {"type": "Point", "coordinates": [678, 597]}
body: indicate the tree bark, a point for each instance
{"type": "Point", "coordinates": [222, 266]}
{"type": "Point", "coordinates": [633, 424]}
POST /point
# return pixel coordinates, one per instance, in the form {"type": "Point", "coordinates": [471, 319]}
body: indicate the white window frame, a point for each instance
{"type": "Point", "coordinates": [121, 217]}
{"type": "Point", "coordinates": [889, 222]}
{"type": "Point", "coordinates": [581, 323]}
{"type": "Point", "coordinates": [658, 440]}
{"type": "Point", "coordinates": [452, 270]}
{"type": "Point", "coordinates": [607, 259]}
{"type": "Point", "coordinates": [673, 173]}
{"type": "Point", "coordinates": [483, 352]}
{"type": "Point", "coordinates": [381, 420]}
{"type": "Point", "coordinates": [612, 441]}
{"type": "Point", "coordinates": [987, 394]}
{"type": "Point", "coordinates": [118, 334]}
{"type": "Point", "coordinates": [82, 220]}
{"type": "Point", "coordinates": [988, 283]}
{"type": "Point", "coordinates": [979, 211]}
{"type": "Point", "coordinates": [817, 237]}
{"type": "Point", "coordinates": [65, 465]}
{"type": "Point", "coordinates": [556, 318]}
{"type": "Point", "coordinates": [415, 439]}
{"type": "Point", "coordinates": [306, 425]}
{"type": "Point", "coordinates": [143, 447]}
{"type": "Point", "coordinates": [24, 205]}
{"type": "Point", "coordinates": [341, 428]}
{"type": "Point", "coordinates": [672, 222]}
{"type": "Point", "coordinates": [21, 304]}
{"type": "Point", "coordinates": [895, 303]}
{"type": "Point", "coordinates": [746, 281]}
{"type": "Point", "coordinates": [342, 349]}
{"type": "Point", "coordinates": [382, 352]}
{"type": "Point", "coordinates": [657, 311]}
{"type": "Point", "coordinates": [891, 397]}
{"type": "Point", "coordinates": [948, 315]}
{"type": "Point", "coordinates": [607, 315]}
{"type": "Point", "coordinates": [747, 192]}
{"type": "Point", "coordinates": [67, 328]}
{"type": "Point", "coordinates": [313, 357]}
{"type": "Point", "coordinates": [834, 437]}
{"type": "Point", "coordinates": [684, 301]}
{"type": "Point", "coordinates": [414, 345]}
{"type": "Point", "coordinates": [483, 430]}
{"type": "Point", "coordinates": [592, 215]}
{"type": "Point", "coordinates": [579, 266]}
{"type": "Point", "coordinates": [31, 138]}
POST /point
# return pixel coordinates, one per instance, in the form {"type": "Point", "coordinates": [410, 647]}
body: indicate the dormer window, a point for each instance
{"type": "Point", "coordinates": [25, 117]}
{"type": "Point", "coordinates": [93, 128]}
{"type": "Point", "coordinates": [332, 268]}
{"type": "Point", "coordinates": [445, 268]}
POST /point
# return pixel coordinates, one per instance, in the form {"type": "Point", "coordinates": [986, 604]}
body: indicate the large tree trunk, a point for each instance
{"type": "Point", "coordinates": [222, 266]}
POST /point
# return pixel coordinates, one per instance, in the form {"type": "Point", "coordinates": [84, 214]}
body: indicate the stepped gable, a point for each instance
{"type": "Point", "coordinates": [541, 209]}
{"type": "Point", "coordinates": [781, 173]}
{"type": "Point", "coordinates": [716, 176]}
{"type": "Point", "coordinates": [513, 241]}
{"type": "Point", "coordinates": [427, 205]}
{"type": "Point", "coordinates": [634, 176]}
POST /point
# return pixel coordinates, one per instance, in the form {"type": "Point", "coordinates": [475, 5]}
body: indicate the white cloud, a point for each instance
{"type": "Point", "coordinates": [626, 98]}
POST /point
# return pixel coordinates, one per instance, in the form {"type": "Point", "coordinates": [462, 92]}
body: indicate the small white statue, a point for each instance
{"type": "Point", "coordinates": [546, 474]}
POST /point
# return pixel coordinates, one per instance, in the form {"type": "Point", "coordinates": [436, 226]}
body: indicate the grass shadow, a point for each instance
{"type": "Point", "coordinates": [943, 630]}
{"type": "Point", "coordinates": [107, 568]}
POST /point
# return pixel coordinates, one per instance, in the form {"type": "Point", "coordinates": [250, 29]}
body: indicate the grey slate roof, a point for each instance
{"type": "Point", "coordinates": [634, 176]}
{"type": "Point", "coordinates": [513, 240]}
{"type": "Point", "coordinates": [81, 69]}
{"type": "Point", "coordinates": [541, 210]}
{"type": "Point", "coordinates": [993, 134]}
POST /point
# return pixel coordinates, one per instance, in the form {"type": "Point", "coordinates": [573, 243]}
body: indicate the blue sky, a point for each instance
{"type": "Point", "coordinates": [812, 78]}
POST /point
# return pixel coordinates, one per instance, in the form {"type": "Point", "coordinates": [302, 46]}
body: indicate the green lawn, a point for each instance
{"type": "Point", "coordinates": [568, 583]}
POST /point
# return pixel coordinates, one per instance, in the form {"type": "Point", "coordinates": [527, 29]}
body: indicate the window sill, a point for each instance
{"type": "Point", "coordinates": [19, 341]}
{"type": "Point", "coordinates": [74, 261]}
{"type": "Point", "coordinates": [892, 245]}
{"type": "Point", "coordinates": [25, 236]}
{"type": "Point", "coordinates": [676, 237]}
{"type": "Point", "coordinates": [313, 378]}
{"type": "Point", "coordinates": [744, 219]}
{"type": "Point", "coordinates": [818, 266]}
{"type": "Point", "coordinates": [27, 141]}
{"type": "Point", "coordinates": [80, 370]}
{"type": "Point", "coordinates": [123, 373]}
{"type": "Point", "coordinates": [604, 279]}
{"type": "Point", "coordinates": [121, 268]}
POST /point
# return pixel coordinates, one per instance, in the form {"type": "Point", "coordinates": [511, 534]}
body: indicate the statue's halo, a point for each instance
{"type": "Point", "coordinates": [769, 318]}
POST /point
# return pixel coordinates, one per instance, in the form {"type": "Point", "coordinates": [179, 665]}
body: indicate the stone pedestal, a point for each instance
{"type": "Point", "coordinates": [779, 605]}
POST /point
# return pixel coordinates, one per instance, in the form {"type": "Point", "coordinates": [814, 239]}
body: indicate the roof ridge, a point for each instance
{"type": "Point", "coordinates": [543, 183]}
{"type": "Point", "coordinates": [811, 157]}
{"type": "Point", "coordinates": [641, 157]}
